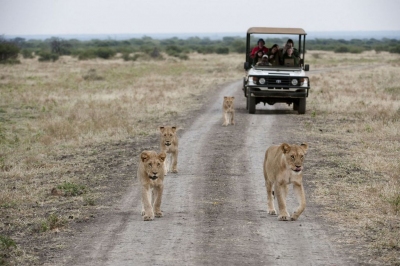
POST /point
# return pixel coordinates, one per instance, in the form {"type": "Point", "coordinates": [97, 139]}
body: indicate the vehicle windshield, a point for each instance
{"type": "Point", "coordinates": [275, 50]}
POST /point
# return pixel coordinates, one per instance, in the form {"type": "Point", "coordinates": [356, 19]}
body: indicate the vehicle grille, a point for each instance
{"type": "Point", "coordinates": [277, 81]}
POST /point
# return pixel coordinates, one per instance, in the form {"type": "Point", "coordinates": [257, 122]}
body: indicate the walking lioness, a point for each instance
{"type": "Point", "coordinates": [169, 145]}
{"type": "Point", "coordinates": [151, 175]}
{"type": "Point", "coordinates": [228, 111]}
{"type": "Point", "coordinates": [283, 164]}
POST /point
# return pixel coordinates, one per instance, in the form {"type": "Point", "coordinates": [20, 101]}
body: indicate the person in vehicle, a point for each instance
{"type": "Point", "coordinates": [274, 55]}
{"type": "Point", "coordinates": [290, 43]}
{"type": "Point", "coordinates": [260, 47]}
{"type": "Point", "coordinates": [257, 58]}
{"type": "Point", "coordinates": [264, 61]}
{"type": "Point", "coordinates": [289, 59]}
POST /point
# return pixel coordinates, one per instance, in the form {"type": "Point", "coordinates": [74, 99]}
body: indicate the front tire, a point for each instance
{"type": "Point", "coordinates": [302, 106]}
{"type": "Point", "coordinates": [251, 102]}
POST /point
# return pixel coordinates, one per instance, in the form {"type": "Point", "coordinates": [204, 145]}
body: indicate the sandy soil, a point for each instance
{"type": "Point", "coordinates": [215, 208]}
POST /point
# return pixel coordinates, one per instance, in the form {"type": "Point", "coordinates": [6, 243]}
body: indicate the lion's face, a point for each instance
{"type": "Point", "coordinates": [153, 163]}
{"type": "Point", "coordinates": [295, 156]}
{"type": "Point", "coordinates": [168, 134]}
{"type": "Point", "coordinates": [228, 102]}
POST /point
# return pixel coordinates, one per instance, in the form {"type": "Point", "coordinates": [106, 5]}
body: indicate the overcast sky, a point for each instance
{"type": "Point", "coordinates": [26, 17]}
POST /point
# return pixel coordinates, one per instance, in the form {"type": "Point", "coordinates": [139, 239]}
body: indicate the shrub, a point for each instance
{"type": "Point", "coordinates": [26, 53]}
{"type": "Point", "coordinates": [395, 50]}
{"type": "Point", "coordinates": [222, 50]}
{"type": "Point", "coordinates": [105, 52]}
{"type": "Point", "coordinates": [85, 54]}
{"type": "Point", "coordinates": [47, 56]}
{"type": "Point", "coordinates": [8, 51]}
{"type": "Point", "coordinates": [342, 49]}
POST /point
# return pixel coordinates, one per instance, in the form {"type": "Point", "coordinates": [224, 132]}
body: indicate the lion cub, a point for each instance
{"type": "Point", "coordinates": [151, 175]}
{"type": "Point", "coordinates": [169, 145]}
{"type": "Point", "coordinates": [283, 164]}
{"type": "Point", "coordinates": [228, 111]}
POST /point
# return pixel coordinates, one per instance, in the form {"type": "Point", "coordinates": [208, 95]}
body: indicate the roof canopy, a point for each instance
{"type": "Point", "coordinates": [265, 30]}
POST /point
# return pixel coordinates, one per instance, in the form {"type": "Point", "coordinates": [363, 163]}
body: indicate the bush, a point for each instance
{"type": "Point", "coordinates": [8, 51]}
{"type": "Point", "coordinates": [342, 49]}
{"type": "Point", "coordinates": [173, 50]}
{"type": "Point", "coordinates": [26, 53]}
{"type": "Point", "coordinates": [222, 50]}
{"type": "Point", "coordinates": [85, 54]}
{"type": "Point", "coordinates": [395, 50]}
{"type": "Point", "coordinates": [105, 52]}
{"type": "Point", "coordinates": [47, 56]}
{"type": "Point", "coordinates": [356, 50]}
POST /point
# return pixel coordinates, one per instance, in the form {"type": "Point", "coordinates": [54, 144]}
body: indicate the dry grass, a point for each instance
{"type": "Point", "coordinates": [63, 126]}
{"type": "Point", "coordinates": [57, 121]}
{"type": "Point", "coordinates": [354, 119]}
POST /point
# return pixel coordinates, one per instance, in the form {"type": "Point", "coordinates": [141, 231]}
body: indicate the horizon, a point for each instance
{"type": "Point", "coordinates": [347, 35]}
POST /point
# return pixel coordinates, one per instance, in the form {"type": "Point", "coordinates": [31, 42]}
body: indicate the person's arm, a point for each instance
{"type": "Point", "coordinates": [253, 52]}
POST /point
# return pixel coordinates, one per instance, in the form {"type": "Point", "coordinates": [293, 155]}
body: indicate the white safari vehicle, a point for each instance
{"type": "Point", "coordinates": [279, 83]}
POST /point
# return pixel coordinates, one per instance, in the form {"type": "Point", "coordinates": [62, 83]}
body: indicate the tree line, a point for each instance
{"type": "Point", "coordinates": [131, 49]}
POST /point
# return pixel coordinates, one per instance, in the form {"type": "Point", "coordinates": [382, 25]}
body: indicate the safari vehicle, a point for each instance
{"type": "Point", "coordinates": [276, 84]}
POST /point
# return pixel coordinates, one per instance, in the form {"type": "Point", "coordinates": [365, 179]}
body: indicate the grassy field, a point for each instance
{"type": "Point", "coordinates": [58, 120]}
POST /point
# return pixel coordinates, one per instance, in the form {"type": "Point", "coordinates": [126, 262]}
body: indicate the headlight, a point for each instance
{"type": "Point", "coordinates": [262, 81]}
{"type": "Point", "coordinates": [255, 79]}
{"type": "Point", "coordinates": [294, 82]}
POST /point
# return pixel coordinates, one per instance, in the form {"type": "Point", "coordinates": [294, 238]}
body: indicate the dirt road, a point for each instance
{"type": "Point", "coordinates": [215, 207]}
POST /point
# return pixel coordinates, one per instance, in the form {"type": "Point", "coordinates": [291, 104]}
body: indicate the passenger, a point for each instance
{"type": "Point", "coordinates": [289, 59]}
{"type": "Point", "coordinates": [290, 43]}
{"type": "Point", "coordinates": [257, 58]}
{"type": "Point", "coordinates": [264, 61]}
{"type": "Point", "coordinates": [274, 55]}
{"type": "Point", "coordinates": [260, 47]}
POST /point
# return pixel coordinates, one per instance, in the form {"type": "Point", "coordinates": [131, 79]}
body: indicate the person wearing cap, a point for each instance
{"type": "Point", "coordinates": [264, 61]}
{"type": "Point", "coordinates": [260, 47]}
{"type": "Point", "coordinates": [257, 57]}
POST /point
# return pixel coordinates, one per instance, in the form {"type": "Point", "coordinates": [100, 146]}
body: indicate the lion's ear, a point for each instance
{"type": "Point", "coordinates": [285, 147]}
{"type": "Point", "coordinates": [144, 156]}
{"type": "Point", "coordinates": [233, 98]}
{"type": "Point", "coordinates": [304, 146]}
{"type": "Point", "coordinates": [174, 129]}
{"type": "Point", "coordinates": [162, 129]}
{"type": "Point", "coordinates": [225, 97]}
{"type": "Point", "coordinates": [162, 156]}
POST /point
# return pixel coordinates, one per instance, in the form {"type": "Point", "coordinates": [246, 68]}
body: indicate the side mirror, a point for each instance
{"type": "Point", "coordinates": [246, 65]}
{"type": "Point", "coordinates": [306, 67]}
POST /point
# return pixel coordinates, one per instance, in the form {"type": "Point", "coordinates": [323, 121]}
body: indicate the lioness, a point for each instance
{"type": "Point", "coordinates": [228, 111]}
{"type": "Point", "coordinates": [151, 175]}
{"type": "Point", "coordinates": [169, 145]}
{"type": "Point", "coordinates": [283, 164]}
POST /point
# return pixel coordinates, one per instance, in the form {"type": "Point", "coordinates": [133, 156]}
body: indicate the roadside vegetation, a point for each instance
{"type": "Point", "coordinates": [67, 124]}
{"type": "Point", "coordinates": [148, 48]}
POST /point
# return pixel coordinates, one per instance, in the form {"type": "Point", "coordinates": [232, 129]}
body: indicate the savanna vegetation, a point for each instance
{"type": "Point", "coordinates": [147, 47]}
{"type": "Point", "coordinates": [64, 123]}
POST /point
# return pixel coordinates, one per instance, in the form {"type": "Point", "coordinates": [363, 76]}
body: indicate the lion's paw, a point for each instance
{"type": "Point", "coordinates": [283, 217]}
{"type": "Point", "coordinates": [174, 171]}
{"type": "Point", "coordinates": [158, 214]}
{"type": "Point", "coordinates": [272, 212]}
{"type": "Point", "coordinates": [148, 218]}
{"type": "Point", "coordinates": [294, 217]}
